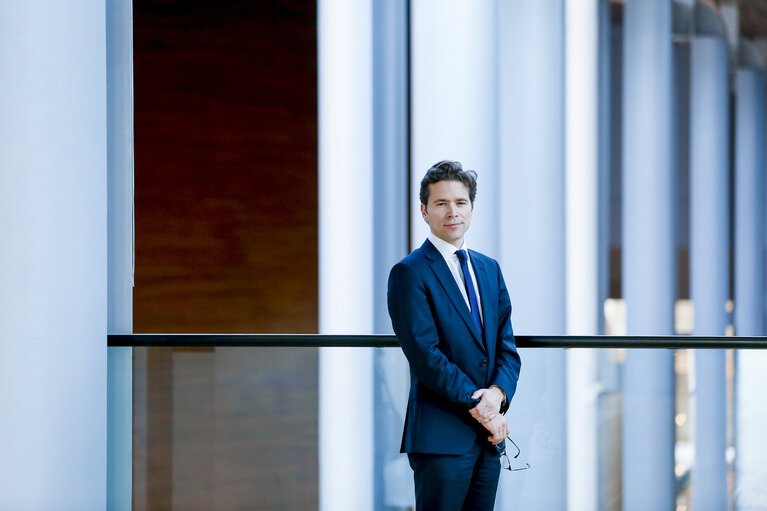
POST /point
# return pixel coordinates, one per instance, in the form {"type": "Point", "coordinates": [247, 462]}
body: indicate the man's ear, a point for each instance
{"type": "Point", "coordinates": [423, 213]}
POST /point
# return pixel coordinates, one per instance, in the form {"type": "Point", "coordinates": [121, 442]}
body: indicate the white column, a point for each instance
{"type": "Point", "coordinates": [709, 261]}
{"type": "Point", "coordinates": [119, 251]}
{"type": "Point", "coordinates": [394, 488]}
{"type": "Point", "coordinates": [581, 230]}
{"type": "Point", "coordinates": [649, 256]}
{"type": "Point", "coordinates": [345, 252]}
{"type": "Point", "coordinates": [454, 105]}
{"type": "Point", "coordinates": [53, 264]}
{"type": "Point", "coordinates": [750, 379]}
{"type": "Point", "coordinates": [532, 238]}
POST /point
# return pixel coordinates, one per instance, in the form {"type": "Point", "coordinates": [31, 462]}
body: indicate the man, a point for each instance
{"type": "Point", "coordinates": [452, 315]}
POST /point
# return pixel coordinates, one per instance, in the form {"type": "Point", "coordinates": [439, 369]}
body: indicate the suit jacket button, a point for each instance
{"type": "Point", "coordinates": [483, 363]}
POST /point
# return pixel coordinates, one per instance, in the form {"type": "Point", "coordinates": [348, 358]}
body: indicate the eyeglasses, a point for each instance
{"type": "Point", "coordinates": [506, 462]}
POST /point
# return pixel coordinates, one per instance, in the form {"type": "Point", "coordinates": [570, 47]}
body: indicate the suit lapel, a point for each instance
{"type": "Point", "coordinates": [440, 269]}
{"type": "Point", "coordinates": [488, 296]}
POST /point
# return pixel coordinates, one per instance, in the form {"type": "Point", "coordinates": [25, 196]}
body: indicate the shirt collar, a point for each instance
{"type": "Point", "coordinates": [446, 249]}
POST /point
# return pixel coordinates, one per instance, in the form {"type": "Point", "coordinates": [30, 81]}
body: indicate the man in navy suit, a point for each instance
{"type": "Point", "coordinates": [455, 330]}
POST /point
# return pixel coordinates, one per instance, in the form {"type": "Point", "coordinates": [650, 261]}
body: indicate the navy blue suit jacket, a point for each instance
{"type": "Point", "coordinates": [448, 357]}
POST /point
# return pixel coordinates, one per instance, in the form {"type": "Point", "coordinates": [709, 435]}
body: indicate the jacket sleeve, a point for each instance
{"type": "Point", "coordinates": [507, 361]}
{"type": "Point", "coordinates": [417, 334]}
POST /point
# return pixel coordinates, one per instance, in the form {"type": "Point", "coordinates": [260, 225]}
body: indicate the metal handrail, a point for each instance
{"type": "Point", "coordinates": [673, 342]}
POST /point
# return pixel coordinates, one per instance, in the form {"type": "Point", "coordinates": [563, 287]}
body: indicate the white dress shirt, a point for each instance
{"type": "Point", "coordinates": [448, 253]}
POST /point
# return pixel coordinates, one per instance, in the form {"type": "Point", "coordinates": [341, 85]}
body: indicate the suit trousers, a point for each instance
{"type": "Point", "coordinates": [462, 482]}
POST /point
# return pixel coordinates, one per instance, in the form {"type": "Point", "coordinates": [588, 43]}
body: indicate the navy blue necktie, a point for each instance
{"type": "Point", "coordinates": [469, 288]}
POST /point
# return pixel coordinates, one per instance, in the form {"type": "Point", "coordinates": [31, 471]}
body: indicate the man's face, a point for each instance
{"type": "Point", "coordinates": [448, 211]}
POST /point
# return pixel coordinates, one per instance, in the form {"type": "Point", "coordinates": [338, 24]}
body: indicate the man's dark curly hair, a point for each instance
{"type": "Point", "coordinates": [448, 170]}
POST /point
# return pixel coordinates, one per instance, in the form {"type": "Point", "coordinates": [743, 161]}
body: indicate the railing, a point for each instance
{"type": "Point", "coordinates": [390, 341]}
{"type": "Point", "coordinates": [188, 407]}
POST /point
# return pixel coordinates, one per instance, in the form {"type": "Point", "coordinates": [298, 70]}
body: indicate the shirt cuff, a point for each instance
{"type": "Point", "coordinates": [505, 402]}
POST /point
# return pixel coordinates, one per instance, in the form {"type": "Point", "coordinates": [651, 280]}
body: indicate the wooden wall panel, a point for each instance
{"type": "Point", "coordinates": [226, 241]}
